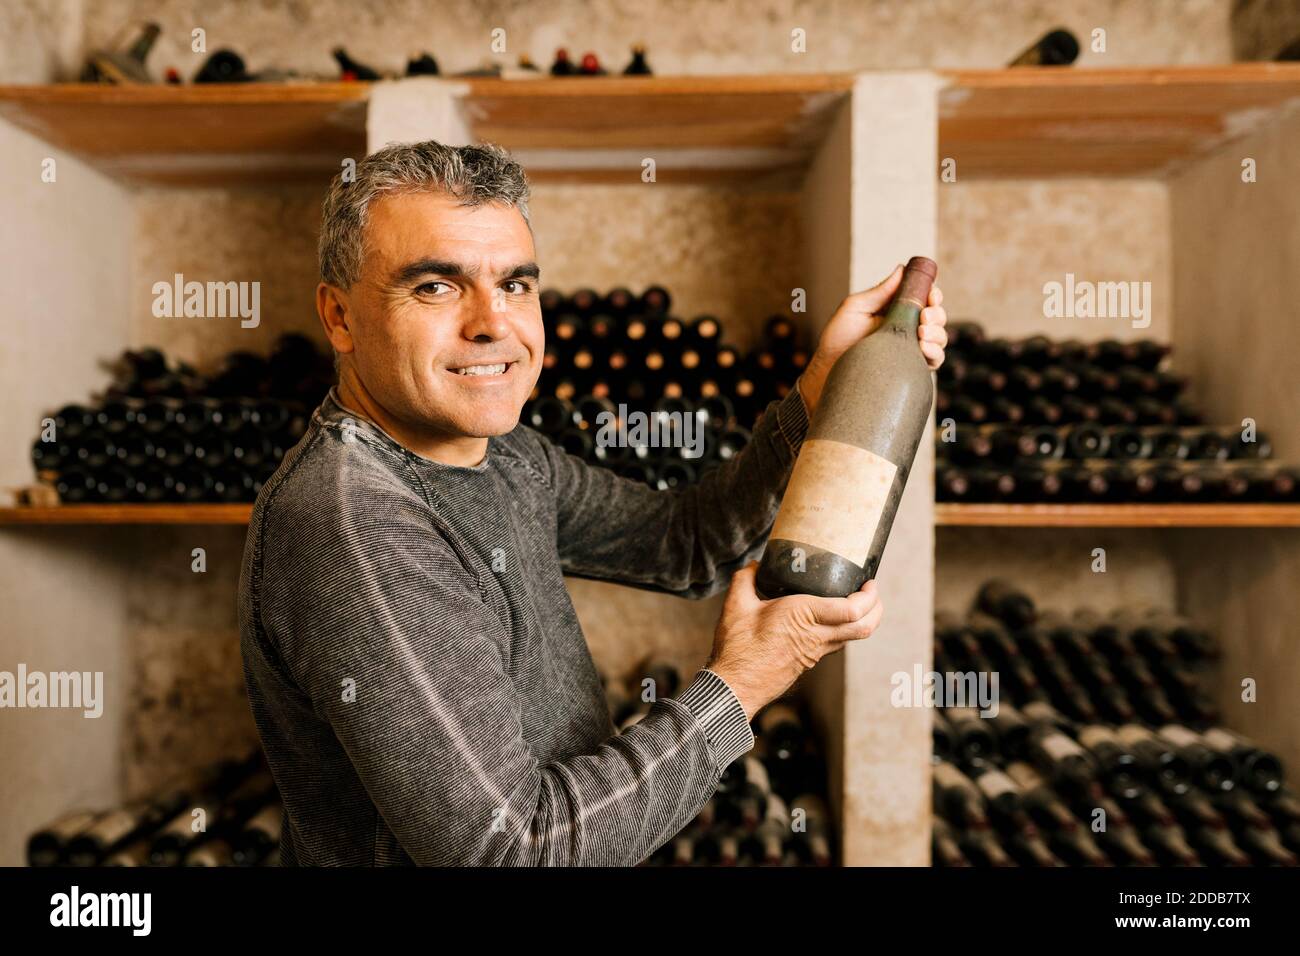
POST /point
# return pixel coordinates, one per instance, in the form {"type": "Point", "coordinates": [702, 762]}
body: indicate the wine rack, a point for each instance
{"type": "Point", "coordinates": [1097, 718]}
{"type": "Point", "coordinates": [860, 212]}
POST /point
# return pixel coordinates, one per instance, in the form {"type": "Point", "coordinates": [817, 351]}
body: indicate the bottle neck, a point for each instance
{"type": "Point", "coordinates": [904, 311]}
{"type": "Point", "coordinates": [140, 49]}
{"type": "Point", "coordinates": [902, 314]}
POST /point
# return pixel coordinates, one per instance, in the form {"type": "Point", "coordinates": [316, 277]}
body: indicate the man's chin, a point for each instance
{"type": "Point", "coordinates": [489, 426]}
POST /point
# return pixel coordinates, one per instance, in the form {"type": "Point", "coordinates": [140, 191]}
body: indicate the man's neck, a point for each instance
{"type": "Point", "coordinates": [462, 451]}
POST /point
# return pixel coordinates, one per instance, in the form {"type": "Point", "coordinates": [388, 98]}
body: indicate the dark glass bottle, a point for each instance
{"type": "Point", "coordinates": [1055, 48]}
{"type": "Point", "coordinates": [1087, 441]}
{"type": "Point", "coordinates": [551, 415]}
{"type": "Point", "coordinates": [1211, 770]}
{"type": "Point", "coordinates": [1004, 601]}
{"type": "Point", "coordinates": [944, 851]}
{"type": "Point", "coordinates": [1256, 769]}
{"type": "Point", "coordinates": [655, 300]}
{"type": "Point", "coordinates": [840, 500]}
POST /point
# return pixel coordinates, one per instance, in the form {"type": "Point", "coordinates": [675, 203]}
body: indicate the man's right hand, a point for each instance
{"type": "Point", "coordinates": [761, 647]}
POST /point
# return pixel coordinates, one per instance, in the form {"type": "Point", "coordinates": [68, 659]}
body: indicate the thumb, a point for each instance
{"type": "Point", "coordinates": [871, 301]}
{"type": "Point", "coordinates": [742, 591]}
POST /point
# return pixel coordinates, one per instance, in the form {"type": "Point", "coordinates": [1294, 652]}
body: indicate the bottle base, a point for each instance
{"type": "Point", "coordinates": [824, 573]}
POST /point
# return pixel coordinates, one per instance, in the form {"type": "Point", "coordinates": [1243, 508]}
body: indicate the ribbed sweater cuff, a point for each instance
{"type": "Point", "coordinates": [718, 711]}
{"type": "Point", "coordinates": [792, 418]}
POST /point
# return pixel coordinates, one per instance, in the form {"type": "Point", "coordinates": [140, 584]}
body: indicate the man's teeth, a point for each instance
{"type": "Point", "coordinates": [483, 370]}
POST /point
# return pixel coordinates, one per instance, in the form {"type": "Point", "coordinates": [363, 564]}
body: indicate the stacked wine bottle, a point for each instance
{"type": "Point", "coordinates": [241, 818]}
{"type": "Point", "coordinates": [1041, 420]}
{"type": "Point", "coordinates": [1102, 750]}
{"type": "Point", "coordinates": [612, 356]}
{"type": "Point", "coordinates": [770, 805]}
{"type": "Point", "coordinates": [163, 432]}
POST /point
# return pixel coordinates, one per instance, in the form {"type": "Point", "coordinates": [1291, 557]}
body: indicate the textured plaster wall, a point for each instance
{"type": "Point", "coordinates": [684, 36]}
{"type": "Point", "coordinates": [1237, 245]}
{"type": "Point", "coordinates": [65, 267]}
{"type": "Point", "coordinates": [1000, 242]}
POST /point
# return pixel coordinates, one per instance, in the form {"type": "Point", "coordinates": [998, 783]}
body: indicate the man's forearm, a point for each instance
{"type": "Point", "coordinates": [685, 542]}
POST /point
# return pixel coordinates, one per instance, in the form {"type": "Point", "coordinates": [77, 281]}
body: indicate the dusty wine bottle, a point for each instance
{"type": "Point", "coordinates": [846, 484]}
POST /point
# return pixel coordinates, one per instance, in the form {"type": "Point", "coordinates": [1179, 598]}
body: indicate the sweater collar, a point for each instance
{"type": "Point", "coordinates": [333, 411]}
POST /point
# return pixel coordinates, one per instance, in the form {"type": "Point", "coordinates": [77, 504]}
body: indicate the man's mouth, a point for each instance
{"type": "Point", "coordinates": [478, 371]}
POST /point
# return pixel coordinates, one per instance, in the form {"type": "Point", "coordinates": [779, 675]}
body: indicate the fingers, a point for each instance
{"type": "Point", "coordinates": [936, 295]}
{"type": "Point", "coordinates": [934, 315]}
{"type": "Point", "coordinates": [845, 610]}
{"type": "Point", "coordinates": [742, 592]}
{"type": "Point", "coordinates": [877, 297]}
{"type": "Point", "coordinates": [933, 335]}
{"type": "Point", "coordinates": [859, 629]}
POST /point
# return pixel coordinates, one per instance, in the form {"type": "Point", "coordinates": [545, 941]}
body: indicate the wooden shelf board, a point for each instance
{"type": "Point", "coordinates": [1023, 122]}
{"type": "Point", "coordinates": [946, 515]}
{"type": "Point", "coordinates": [699, 129]}
{"type": "Point", "coordinates": [1148, 121]}
{"type": "Point", "coordinates": [1118, 516]}
{"type": "Point", "coordinates": [611, 113]}
{"type": "Point", "coordinates": [198, 135]}
{"type": "Point", "coordinates": [128, 514]}
{"type": "Point", "coordinates": [757, 130]}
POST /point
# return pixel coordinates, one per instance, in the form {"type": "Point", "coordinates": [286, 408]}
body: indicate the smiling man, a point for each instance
{"type": "Point", "coordinates": [419, 679]}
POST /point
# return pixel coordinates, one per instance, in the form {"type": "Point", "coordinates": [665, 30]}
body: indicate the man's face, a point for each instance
{"type": "Point", "coordinates": [444, 288]}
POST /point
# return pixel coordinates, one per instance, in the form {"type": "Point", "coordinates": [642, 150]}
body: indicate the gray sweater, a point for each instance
{"type": "Point", "coordinates": [417, 673]}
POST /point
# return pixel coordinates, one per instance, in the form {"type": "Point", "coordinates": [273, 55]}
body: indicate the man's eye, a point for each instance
{"type": "Point", "coordinates": [520, 287]}
{"type": "Point", "coordinates": [430, 288]}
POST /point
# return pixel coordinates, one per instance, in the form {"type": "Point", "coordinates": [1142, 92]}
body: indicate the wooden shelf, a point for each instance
{"type": "Point", "coordinates": [1053, 122]}
{"type": "Point", "coordinates": [759, 130]}
{"type": "Point", "coordinates": [198, 135]}
{"type": "Point", "coordinates": [946, 515]}
{"type": "Point", "coordinates": [1118, 516]}
{"type": "Point", "coordinates": [128, 514]}
{"type": "Point", "coordinates": [755, 129]}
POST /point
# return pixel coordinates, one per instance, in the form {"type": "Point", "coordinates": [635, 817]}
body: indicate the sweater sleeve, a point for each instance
{"type": "Point", "coordinates": [433, 723]}
{"type": "Point", "coordinates": [686, 541]}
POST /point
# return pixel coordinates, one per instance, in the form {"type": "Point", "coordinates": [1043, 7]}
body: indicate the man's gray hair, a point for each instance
{"type": "Point", "coordinates": [474, 175]}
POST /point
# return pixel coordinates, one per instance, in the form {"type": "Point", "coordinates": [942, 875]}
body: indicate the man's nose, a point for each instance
{"type": "Point", "coordinates": [486, 317]}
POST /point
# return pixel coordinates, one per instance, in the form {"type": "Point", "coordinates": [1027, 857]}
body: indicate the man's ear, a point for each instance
{"type": "Point", "coordinates": [334, 311]}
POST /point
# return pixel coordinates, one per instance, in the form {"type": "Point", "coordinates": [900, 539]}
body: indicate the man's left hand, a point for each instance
{"type": "Point", "coordinates": [856, 318]}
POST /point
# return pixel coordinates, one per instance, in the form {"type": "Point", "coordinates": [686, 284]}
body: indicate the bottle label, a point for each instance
{"type": "Point", "coordinates": [1179, 736]}
{"type": "Point", "coordinates": [113, 826]}
{"type": "Point", "coordinates": [1059, 747]}
{"type": "Point", "coordinates": [994, 783]}
{"type": "Point", "coordinates": [1025, 776]}
{"type": "Point", "coordinates": [1038, 710]}
{"type": "Point", "coordinates": [1095, 735]}
{"type": "Point", "coordinates": [949, 776]}
{"type": "Point", "coordinates": [1131, 735]}
{"type": "Point", "coordinates": [71, 825]}
{"type": "Point", "coordinates": [1218, 739]}
{"type": "Point", "coordinates": [835, 498]}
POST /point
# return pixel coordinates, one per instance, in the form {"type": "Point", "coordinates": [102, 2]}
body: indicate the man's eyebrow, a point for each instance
{"type": "Point", "coordinates": [446, 267]}
{"type": "Point", "coordinates": [525, 270]}
{"type": "Point", "coordinates": [425, 267]}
